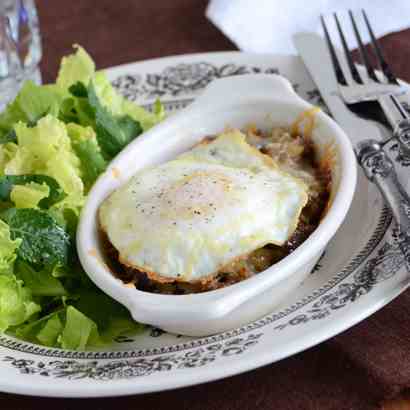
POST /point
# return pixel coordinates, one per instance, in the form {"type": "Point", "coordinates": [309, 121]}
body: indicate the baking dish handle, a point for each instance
{"type": "Point", "coordinates": [244, 87]}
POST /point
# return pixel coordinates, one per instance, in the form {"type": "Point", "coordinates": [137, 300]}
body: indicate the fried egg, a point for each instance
{"type": "Point", "coordinates": [186, 219]}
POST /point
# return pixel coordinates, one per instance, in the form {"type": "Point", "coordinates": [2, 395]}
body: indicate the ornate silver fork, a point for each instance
{"type": "Point", "coordinates": [373, 96]}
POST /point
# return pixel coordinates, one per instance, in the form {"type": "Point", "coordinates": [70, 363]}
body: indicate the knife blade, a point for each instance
{"type": "Point", "coordinates": [313, 51]}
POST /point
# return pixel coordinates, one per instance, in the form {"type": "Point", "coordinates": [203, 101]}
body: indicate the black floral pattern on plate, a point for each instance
{"type": "Point", "coordinates": [183, 79]}
{"type": "Point", "coordinates": [388, 260]}
{"type": "Point", "coordinates": [131, 368]}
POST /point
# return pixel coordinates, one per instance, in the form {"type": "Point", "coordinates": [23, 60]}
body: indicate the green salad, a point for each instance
{"type": "Point", "coordinates": [55, 140]}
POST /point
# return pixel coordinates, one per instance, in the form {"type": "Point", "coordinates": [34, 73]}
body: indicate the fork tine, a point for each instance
{"type": "Point", "coordinates": [363, 53]}
{"type": "Point", "coordinates": [341, 79]}
{"type": "Point", "coordinates": [352, 67]}
{"type": "Point", "coordinates": [391, 78]}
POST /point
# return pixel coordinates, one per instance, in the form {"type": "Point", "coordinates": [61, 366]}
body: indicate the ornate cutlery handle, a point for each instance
{"type": "Point", "coordinates": [379, 169]}
{"type": "Point", "coordinates": [402, 134]}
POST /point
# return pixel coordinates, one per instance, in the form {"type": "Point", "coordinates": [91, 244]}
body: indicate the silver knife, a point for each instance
{"type": "Point", "coordinates": [377, 166]}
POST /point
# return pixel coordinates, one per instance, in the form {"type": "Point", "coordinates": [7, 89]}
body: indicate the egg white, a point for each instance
{"type": "Point", "coordinates": [185, 219]}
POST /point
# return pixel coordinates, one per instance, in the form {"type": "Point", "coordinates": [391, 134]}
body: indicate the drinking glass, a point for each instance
{"type": "Point", "coordinates": [20, 47]}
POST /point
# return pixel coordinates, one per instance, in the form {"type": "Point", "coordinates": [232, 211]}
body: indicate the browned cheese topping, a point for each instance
{"type": "Point", "coordinates": [294, 154]}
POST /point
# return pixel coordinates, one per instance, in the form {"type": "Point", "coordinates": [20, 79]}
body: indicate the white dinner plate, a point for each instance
{"type": "Point", "coordinates": [360, 271]}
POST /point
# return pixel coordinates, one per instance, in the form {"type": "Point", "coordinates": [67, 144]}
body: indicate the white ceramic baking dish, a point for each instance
{"type": "Point", "coordinates": [264, 100]}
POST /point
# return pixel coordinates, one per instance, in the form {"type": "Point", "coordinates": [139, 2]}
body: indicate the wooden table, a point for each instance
{"type": "Point", "coordinates": [116, 32]}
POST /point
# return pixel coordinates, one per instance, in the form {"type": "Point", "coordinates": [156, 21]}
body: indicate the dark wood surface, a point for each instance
{"type": "Point", "coordinates": [122, 31]}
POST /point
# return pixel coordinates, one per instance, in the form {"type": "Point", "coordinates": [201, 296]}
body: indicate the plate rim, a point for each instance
{"type": "Point", "coordinates": [208, 373]}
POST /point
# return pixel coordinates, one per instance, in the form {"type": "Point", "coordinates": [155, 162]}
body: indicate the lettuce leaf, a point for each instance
{"type": "Point", "coordinates": [40, 282]}
{"type": "Point", "coordinates": [107, 94]}
{"type": "Point", "coordinates": [32, 102]}
{"type": "Point", "coordinates": [76, 67]}
{"type": "Point", "coordinates": [16, 303]}
{"type": "Point", "coordinates": [86, 147]}
{"type": "Point", "coordinates": [77, 110]}
{"type": "Point", "coordinates": [45, 330]}
{"type": "Point", "coordinates": [113, 132]}
{"type": "Point", "coordinates": [78, 89]}
{"type": "Point", "coordinates": [112, 318]}
{"type": "Point", "coordinates": [79, 331]}
{"type": "Point", "coordinates": [145, 118]}
{"type": "Point", "coordinates": [67, 216]}
{"type": "Point", "coordinates": [7, 152]}
{"type": "Point", "coordinates": [75, 75]}
{"type": "Point", "coordinates": [43, 242]}
{"type": "Point", "coordinates": [118, 105]}
{"type": "Point", "coordinates": [50, 332]}
{"type": "Point", "coordinates": [8, 248]}
{"type": "Point", "coordinates": [9, 136]}
{"type": "Point", "coordinates": [67, 328]}
{"type": "Point", "coordinates": [54, 195]}
{"type": "Point", "coordinates": [46, 149]}
{"type": "Point", "coordinates": [29, 195]}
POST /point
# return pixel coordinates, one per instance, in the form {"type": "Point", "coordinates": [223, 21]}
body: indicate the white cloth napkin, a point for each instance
{"type": "Point", "coordinates": [268, 25]}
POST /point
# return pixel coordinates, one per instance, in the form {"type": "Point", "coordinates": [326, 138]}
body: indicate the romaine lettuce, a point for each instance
{"type": "Point", "coordinates": [32, 102]}
{"type": "Point", "coordinates": [111, 318]}
{"type": "Point", "coordinates": [75, 67]}
{"type": "Point", "coordinates": [9, 182]}
{"type": "Point", "coordinates": [79, 331]}
{"type": "Point", "coordinates": [118, 105]}
{"type": "Point", "coordinates": [45, 330]}
{"type": "Point", "coordinates": [8, 249]}
{"type": "Point", "coordinates": [40, 282]}
{"type": "Point", "coordinates": [77, 70]}
{"type": "Point", "coordinates": [16, 303]}
{"type": "Point", "coordinates": [29, 195]}
{"type": "Point", "coordinates": [86, 147]}
{"type": "Point", "coordinates": [46, 149]}
{"type": "Point", "coordinates": [49, 333]}
{"type": "Point", "coordinates": [7, 152]}
{"type": "Point", "coordinates": [54, 142]}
